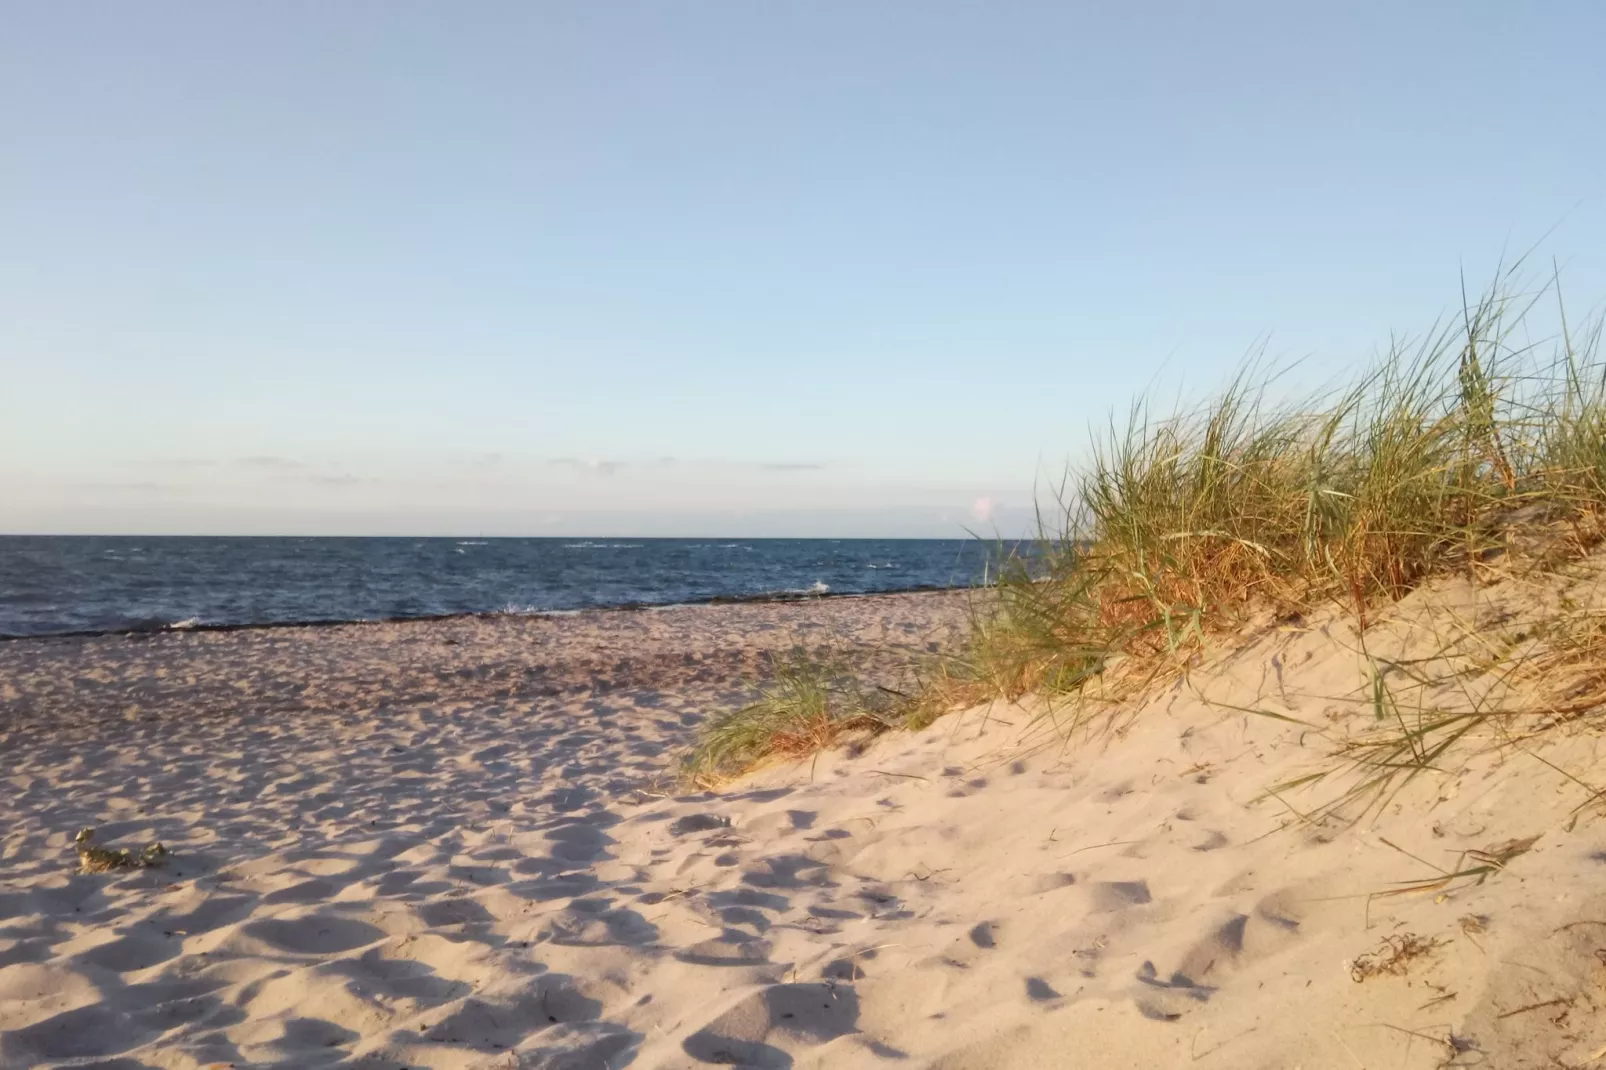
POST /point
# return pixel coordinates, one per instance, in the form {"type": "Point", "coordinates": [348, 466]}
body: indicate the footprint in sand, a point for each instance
{"type": "Point", "coordinates": [314, 935]}
{"type": "Point", "coordinates": [1040, 883]}
{"type": "Point", "coordinates": [764, 1028]}
{"type": "Point", "coordinates": [76, 1034]}
{"type": "Point", "coordinates": [399, 978]}
{"type": "Point", "coordinates": [446, 913]}
{"type": "Point", "coordinates": [1170, 998]}
{"type": "Point", "coordinates": [1119, 895]}
{"type": "Point", "coordinates": [313, 890]}
{"type": "Point", "coordinates": [691, 823]}
{"type": "Point", "coordinates": [131, 953]}
{"type": "Point", "coordinates": [598, 923]}
{"type": "Point", "coordinates": [487, 1025]}
{"type": "Point", "coordinates": [578, 844]}
{"type": "Point", "coordinates": [1233, 944]}
{"type": "Point", "coordinates": [1040, 991]}
{"type": "Point", "coordinates": [849, 969]}
{"type": "Point", "coordinates": [788, 872]}
{"type": "Point", "coordinates": [733, 949]}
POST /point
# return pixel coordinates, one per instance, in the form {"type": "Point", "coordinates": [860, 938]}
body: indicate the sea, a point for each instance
{"type": "Point", "coordinates": [64, 585]}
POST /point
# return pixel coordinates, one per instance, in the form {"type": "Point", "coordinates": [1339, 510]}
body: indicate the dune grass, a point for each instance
{"type": "Point", "coordinates": [810, 702]}
{"type": "Point", "coordinates": [1483, 438]}
{"type": "Point", "coordinates": [1433, 460]}
{"type": "Point", "coordinates": [812, 699]}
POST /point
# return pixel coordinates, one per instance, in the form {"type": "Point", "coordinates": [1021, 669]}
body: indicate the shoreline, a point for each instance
{"type": "Point", "coordinates": [765, 598]}
{"type": "Point", "coordinates": [54, 682]}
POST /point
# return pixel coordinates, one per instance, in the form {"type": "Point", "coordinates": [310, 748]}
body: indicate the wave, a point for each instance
{"type": "Point", "coordinates": [817, 590]}
{"type": "Point", "coordinates": [68, 586]}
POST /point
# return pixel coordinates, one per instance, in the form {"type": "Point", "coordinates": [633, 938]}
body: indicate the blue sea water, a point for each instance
{"type": "Point", "coordinates": [52, 585]}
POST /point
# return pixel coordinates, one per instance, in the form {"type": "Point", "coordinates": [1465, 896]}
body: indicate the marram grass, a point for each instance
{"type": "Point", "coordinates": [1181, 526]}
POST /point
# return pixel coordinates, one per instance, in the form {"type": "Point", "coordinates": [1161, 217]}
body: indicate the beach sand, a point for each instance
{"type": "Point", "coordinates": [441, 845]}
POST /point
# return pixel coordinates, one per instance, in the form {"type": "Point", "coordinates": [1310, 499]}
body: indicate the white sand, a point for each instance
{"type": "Point", "coordinates": [383, 879]}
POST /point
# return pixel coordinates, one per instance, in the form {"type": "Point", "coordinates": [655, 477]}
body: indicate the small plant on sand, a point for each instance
{"type": "Point", "coordinates": [807, 706]}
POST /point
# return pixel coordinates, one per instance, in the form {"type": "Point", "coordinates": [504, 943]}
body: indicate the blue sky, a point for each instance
{"type": "Point", "coordinates": [723, 267]}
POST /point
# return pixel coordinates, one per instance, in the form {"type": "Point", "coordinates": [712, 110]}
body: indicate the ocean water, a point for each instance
{"type": "Point", "coordinates": [51, 585]}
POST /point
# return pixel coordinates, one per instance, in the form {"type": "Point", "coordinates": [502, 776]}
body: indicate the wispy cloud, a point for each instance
{"type": "Point", "coordinates": [186, 462]}
{"type": "Point", "coordinates": [341, 480]}
{"type": "Point", "coordinates": [272, 464]}
{"type": "Point", "coordinates": [603, 468]}
{"type": "Point", "coordinates": [143, 486]}
{"type": "Point", "coordinates": [792, 466]}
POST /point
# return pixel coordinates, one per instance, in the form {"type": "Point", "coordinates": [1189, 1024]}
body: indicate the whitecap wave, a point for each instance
{"type": "Point", "coordinates": [184, 625]}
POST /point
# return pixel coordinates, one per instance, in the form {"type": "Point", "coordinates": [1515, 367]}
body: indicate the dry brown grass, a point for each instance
{"type": "Point", "coordinates": [1392, 957]}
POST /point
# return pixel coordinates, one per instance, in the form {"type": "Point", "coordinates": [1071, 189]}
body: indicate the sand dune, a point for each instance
{"type": "Point", "coordinates": [378, 878]}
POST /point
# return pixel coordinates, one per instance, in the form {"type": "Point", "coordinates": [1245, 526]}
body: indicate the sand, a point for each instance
{"type": "Point", "coordinates": [440, 845]}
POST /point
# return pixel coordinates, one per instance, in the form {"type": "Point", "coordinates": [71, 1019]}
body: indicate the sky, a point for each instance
{"type": "Point", "coordinates": [722, 267]}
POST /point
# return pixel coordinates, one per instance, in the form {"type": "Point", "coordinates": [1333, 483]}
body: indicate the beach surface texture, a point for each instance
{"type": "Point", "coordinates": [457, 844]}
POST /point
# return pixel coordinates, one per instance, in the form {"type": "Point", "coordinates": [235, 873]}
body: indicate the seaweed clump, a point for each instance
{"type": "Point", "coordinates": [93, 858]}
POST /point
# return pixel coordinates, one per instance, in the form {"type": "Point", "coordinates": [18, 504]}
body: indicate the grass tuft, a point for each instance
{"type": "Point", "coordinates": [1193, 524]}
{"type": "Point", "coordinates": [809, 705]}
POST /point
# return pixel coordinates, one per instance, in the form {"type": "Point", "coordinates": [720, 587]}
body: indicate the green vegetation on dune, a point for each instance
{"type": "Point", "coordinates": [1486, 436]}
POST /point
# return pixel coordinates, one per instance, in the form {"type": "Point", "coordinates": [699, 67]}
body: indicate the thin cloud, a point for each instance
{"type": "Point", "coordinates": [792, 466]}
{"type": "Point", "coordinates": [187, 462]}
{"type": "Point", "coordinates": [340, 480]}
{"type": "Point", "coordinates": [603, 468]}
{"type": "Point", "coordinates": [273, 464]}
{"type": "Point", "coordinates": [133, 487]}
